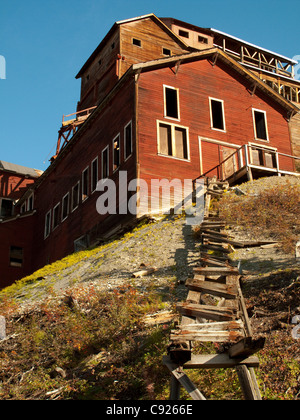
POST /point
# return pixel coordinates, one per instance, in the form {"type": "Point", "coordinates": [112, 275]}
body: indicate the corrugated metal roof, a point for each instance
{"type": "Point", "coordinates": [22, 170]}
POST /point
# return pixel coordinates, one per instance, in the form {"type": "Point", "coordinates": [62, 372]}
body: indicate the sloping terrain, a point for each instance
{"type": "Point", "coordinates": [85, 328]}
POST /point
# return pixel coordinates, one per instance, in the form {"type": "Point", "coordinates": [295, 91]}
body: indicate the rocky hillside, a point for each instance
{"type": "Point", "coordinates": [88, 327]}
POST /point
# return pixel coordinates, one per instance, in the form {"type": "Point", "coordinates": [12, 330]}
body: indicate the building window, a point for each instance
{"type": "Point", "coordinates": [136, 42]}
{"type": "Point", "coordinates": [56, 216]}
{"type": "Point", "coordinates": [6, 207]}
{"type": "Point", "coordinates": [116, 152]}
{"type": "Point", "coordinates": [30, 203]}
{"type": "Point", "coordinates": [85, 184]}
{"type": "Point", "coordinates": [23, 208]}
{"type": "Point", "coordinates": [105, 163]}
{"type": "Point", "coordinates": [173, 141]}
{"type": "Point", "coordinates": [75, 197]}
{"type": "Point", "coordinates": [217, 118]}
{"type": "Point", "coordinates": [65, 207]}
{"type": "Point", "coordinates": [47, 224]}
{"type": "Point", "coordinates": [128, 140]}
{"type": "Point", "coordinates": [166, 51]}
{"type": "Point", "coordinates": [260, 124]}
{"type": "Point", "coordinates": [202, 39]}
{"type": "Point", "coordinates": [16, 256]}
{"type": "Point", "coordinates": [184, 34]}
{"type": "Point", "coordinates": [94, 175]}
{"type": "Point", "coordinates": [171, 102]}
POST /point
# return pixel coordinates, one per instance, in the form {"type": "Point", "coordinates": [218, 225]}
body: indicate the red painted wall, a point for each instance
{"type": "Point", "coordinates": [13, 186]}
{"type": "Point", "coordinates": [197, 82]}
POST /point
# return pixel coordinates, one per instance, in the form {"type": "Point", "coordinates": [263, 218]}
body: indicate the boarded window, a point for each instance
{"type": "Point", "coordinates": [56, 216]}
{"type": "Point", "coordinates": [6, 207]}
{"type": "Point", "coordinates": [217, 114]}
{"type": "Point", "coordinates": [165, 139]}
{"type": "Point", "coordinates": [171, 102]}
{"type": "Point", "coordinates": [94, 174]}
{"type": "Point", "coordinates": [116, 152]}
{"type": "Point", "coordinates": [75, 196]}
{"type": "Point", "coordinates": [128, 140]}
{"type": "Point", "coordinates": [105, 163]}
{"type": "Point", "coordinates": [85, 184]}
{"type": "Point", "coordinates": [173, 141]}
{"type": "Point", "coordinates": [47, 224]}
{"type": "Point", "coordinates": [181, 143]}
{"type": "Point", "coordinates": [16, 256]}
{"type": "Point", "coordinates": [260, 125]}
{"type": "Point", "coordinates": [65, 206]}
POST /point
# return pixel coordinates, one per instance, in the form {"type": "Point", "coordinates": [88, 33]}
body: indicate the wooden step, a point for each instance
{"type": "Point", "coordinates": [214, 313]}
{"type": "Point", "coordinates": [213, 288]}
{"type": "Point", "coordinates": [216, 271]}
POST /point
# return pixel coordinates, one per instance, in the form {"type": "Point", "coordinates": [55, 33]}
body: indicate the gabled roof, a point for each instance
{"type": "Point", "coordinates": [218, 54]}
{"type": "Point", "coordinates": [122, 22]}
{"type": "Point", "coordinates": [20, 170]}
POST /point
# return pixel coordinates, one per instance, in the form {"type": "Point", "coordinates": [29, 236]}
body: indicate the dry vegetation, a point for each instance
{"type": "Point", "coordinates": [94, 344]}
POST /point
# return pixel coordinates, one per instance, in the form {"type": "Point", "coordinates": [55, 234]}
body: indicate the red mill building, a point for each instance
{"type": "Point", "coordinates": [160, 99]}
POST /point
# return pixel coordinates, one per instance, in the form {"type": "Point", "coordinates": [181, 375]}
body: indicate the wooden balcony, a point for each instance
{"type": "Point", "coordinates": [251, 162]}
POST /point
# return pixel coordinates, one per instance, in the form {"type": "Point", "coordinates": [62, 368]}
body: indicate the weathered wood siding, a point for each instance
{"type": "Point", "coordinates": [295, 134]}
{"type": "Point", "coordinates": [68, 171]}
{"type": "Point", "coordinates": [197, 82]}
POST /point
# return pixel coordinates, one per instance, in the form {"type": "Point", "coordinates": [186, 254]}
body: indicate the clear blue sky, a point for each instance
{"type": "Point", "coordinates": [45, 43]}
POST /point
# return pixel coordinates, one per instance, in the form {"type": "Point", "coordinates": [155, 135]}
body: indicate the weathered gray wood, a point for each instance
{"type": "Point", "coordinates": [215, 271]}
{"type": "Point", "coordinates": [214, 326]}
{"type": "Point", "coordinates": [216, 361]}
{"type": "Point", "coordinates": [206, 336]}
{"type": "Point", "coordinates": [248, 383]}
{"type": "Point", "coordinates": [246, 347]}
{"type": "Point", "coordinates": [184, 380]}
{"type": "Point", "coordinates": [213, 288]}
{"type": "Point", "coordinates": [2, 327]}
{"type": "Point", "coordinates": [207, 311]}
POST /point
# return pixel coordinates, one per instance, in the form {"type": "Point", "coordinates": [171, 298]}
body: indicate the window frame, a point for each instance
{"type": "Point", "coordinates": [102, 166]}
{"type": "Point", "coordinates": [63, 206]}
{"type": "Point", "coordinates": [47, 227]}
{"type": "Point", "coordinates": [58, 216]}
{"type": "Point", "coordinates": [254, 124]}
{"type": "Point", "coordinates": [165, 87]}
{"type": "Point", "coordinates": [125, 141]}
{"type": "Point", "coordinates": [94, 161]}
{"type": "Point", "coordinates": [83, 195]}
{"type": "Point", "coordinates": [12, 206]}
{"type": "Point", "coordinates": [118, 136]}
{"type": "Point", "coordinates": [72, 196]}
{"type": "Point", "coordinates": [173, 140]}
{"type": "Point", "coordinates": [30, 199]}
{"type": "Point", "coordinates": [136, 42]}
{"type": "Point", "coordinates": [211, 99]}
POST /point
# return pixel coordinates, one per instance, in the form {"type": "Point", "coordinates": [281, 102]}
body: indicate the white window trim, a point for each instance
{"type": "Point", "coordinates": [262, 147]}
{"type": "Point", "coordinates": [28, 200]}
{"type": "Point", "coordinates": [45, 229]}
{"type": "Point", "coordinates": [88, 184]}
{"type": "Point", "coordinates": [165, 103]}
{"type": "Point", "coordinates": [97, 177]}
{"type": "Point", "coordinates": [173, 126]}
{"type": "Point", "coordinates": [53, 212]}
{"type": "Point", "coordinates": [113, 152]}
{"type": "Point", "coordinates": [78, 194]}
{"type": "Point", "coordinates": [211, 116]}
{"type": "Point", "coordinates": [126, 158]}
{"type": "Point", "coordinates": [102, 167]}
{"type": "Point", "coordinates": [254, 124]}
{"type": "Point", "coordinates": [62, 207]}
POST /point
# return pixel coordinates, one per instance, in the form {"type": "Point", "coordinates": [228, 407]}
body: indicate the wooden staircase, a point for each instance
{"type": "Point", "coordinates": [214, 311]}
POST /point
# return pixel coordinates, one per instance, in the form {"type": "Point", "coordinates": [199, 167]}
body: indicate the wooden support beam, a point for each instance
{"type": "Point", "coordinates": [214, 313]}
{"type": "Point", "coordinates": [216, 361]}
{"type": "Point", "coordinates": [246, 347]}
{"type": "Point", "coordinates": [213, 288]}
{"type": "Point", "coordinates": [184, 380]}
{"type": "Point", "coordinates": [217, 271]}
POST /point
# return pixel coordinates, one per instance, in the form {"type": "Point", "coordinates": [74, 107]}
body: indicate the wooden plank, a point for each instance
{"type": "Point", "coordinates": [216, 361]}
{"type": "Point", "coordinates": [214, 313]}
{"type": "Point", "coordinates": [213, 288]}
{"type": "Point", "coordinates": [246, 347]}
{"type": "Point", "coordinates": [214, 326]}
{"type": "Point", "coordinates": [215, 248]}
{"type": "Point", "coordinates": [216, 271]}
{"type": "Point", "coordinates": [212, 263]}
{"type": "Point", "coordinates": [206, 336]}
{"type": "Point", "coordinates": [184, 380]}
{"type": "Point", "coordinates": [248, 383]}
